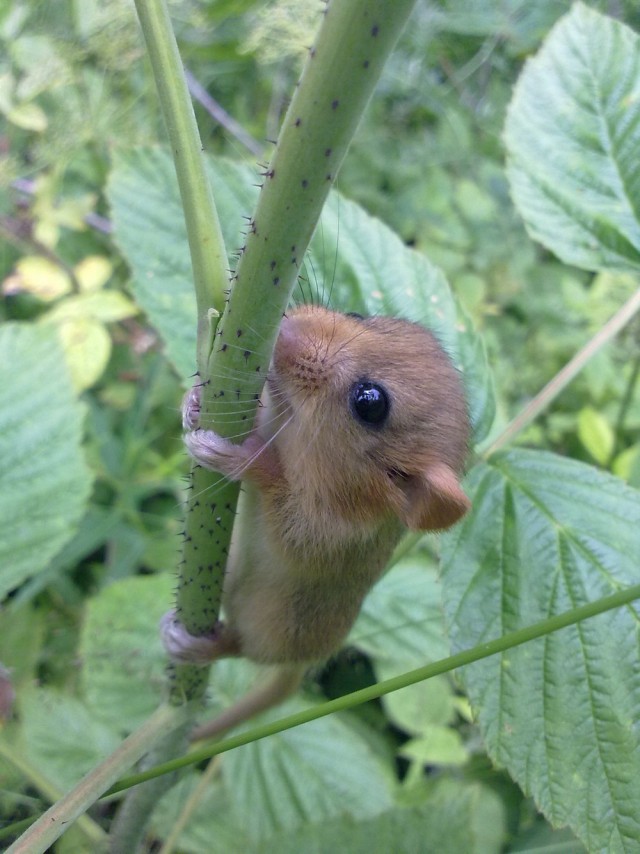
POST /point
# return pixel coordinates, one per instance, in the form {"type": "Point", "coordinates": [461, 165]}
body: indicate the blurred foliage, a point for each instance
{"type": "Point", "coordinates": [428, 160]}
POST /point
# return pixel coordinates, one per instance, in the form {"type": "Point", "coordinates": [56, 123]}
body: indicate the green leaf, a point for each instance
{"type": "Point", "coordinates": [107, 306]}
{"type": "Point", "coordinates": [573, 135]}
{"type": "Point", "coordinates": [439, 746]}
{"type": "Point", "coordinates": [44, 481]}
{"type": "Point", "coordinates": [337, 774]}
{"type": "Point", "coordinates": [342, 775]}
{"type": "Point", "coordinates": [355, 263]}
{"type": "Point", "coordinates": [61, 737]}
{"type": "Point", "coordinates": [401, 627]}
{"type": "Point", "coordinates": [596, 434]}
{"type": "Point", "coordinates": [401, 622]}
{"type": "Point", "coordinates": [23, 631]}
{"type": "Point", "coordinates": [547, 534]}
{"type": "Point", "coordinates": [123, 659]}
{"type": "Point", "coordinates": [211, 828]}
{"type": "Point", "coordinates": [449, 817]}
{"type": "Point", "coordinates": [28, 116]}
{"type": "Point", "coordinates": [149, 229]}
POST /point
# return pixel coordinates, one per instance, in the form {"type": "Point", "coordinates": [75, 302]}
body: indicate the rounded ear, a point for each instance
{"type": "Point", "coordinates": [433, 499]}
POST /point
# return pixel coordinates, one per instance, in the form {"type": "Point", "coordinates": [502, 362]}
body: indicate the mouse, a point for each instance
{"type": "Point", "coordinates": [362, 433]}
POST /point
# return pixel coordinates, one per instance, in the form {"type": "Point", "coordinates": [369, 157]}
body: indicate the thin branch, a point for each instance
{"type": "Point", "coordinates": [624, 408]}
{"type": "Point", "coordinates": [221, 115]}
{"type": "Point", "coordinates": [373, 692]}
{"type": "Point", "coordinates": [562, 379]}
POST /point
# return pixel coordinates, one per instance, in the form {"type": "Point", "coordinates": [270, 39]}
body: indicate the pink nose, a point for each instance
{"type": "Point", "coordinates": [288, 343]}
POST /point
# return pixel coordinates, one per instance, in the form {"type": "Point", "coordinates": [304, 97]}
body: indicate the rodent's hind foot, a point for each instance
{"type": "Point", "coordinates": [185, 648]}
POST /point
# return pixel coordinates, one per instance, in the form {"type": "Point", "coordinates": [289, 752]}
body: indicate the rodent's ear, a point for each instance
{"type": "Point", "coordinates": [434, 499]}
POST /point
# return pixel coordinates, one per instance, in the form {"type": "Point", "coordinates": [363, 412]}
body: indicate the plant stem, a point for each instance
{"type": "Point", "coordinates": [53, 823]}
{"type": "Point", "coordinates": [624, 408]}
{"type": "Point", "coordinates": [445, 665]}
{"type": "Point", "coordinates": [94, 835]}
{"type": "Point", "coordinates": [336, 84]}
{"type": "Point", "coordinates": [220, 115]}
{"type": "Point", "coordinates": [542, 400]}
{"type": "Point", "coordinates": [337, 81]}
{"type": "Point", "coordinates": [208, 255]}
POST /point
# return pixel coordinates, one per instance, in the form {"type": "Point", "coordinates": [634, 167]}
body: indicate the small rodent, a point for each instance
{"type": "Point", "coordinates": [363, 432]}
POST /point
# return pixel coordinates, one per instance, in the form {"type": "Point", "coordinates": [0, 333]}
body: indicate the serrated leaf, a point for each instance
{"type": "Point", "coordinates": [342, 777]}
{"type": "Point", "coordinates": [61, 737]}
{"type": "Point", "coordinates": [44, 481]}
{"type": "Point", "coordinates": [449, 817]}
{"type": "Point", "coordinates": [547, 534]}
{"type": "Point", "coordinates": [123, 659]}
{"type": "Point", "coordinates": [211, 828]}
{"type": "Point", "coordinates": [401, 627]}
{"type": "Point", "coordinates": [149, 228]}
{"type": "Point", "coordinates": [573, 134]}
{"type": "Point", "coordinates": [342, 774]}
{"type": "Point", "coordinates": [355, 263]}
{"type": "Point", "coordinates": [401, 622]}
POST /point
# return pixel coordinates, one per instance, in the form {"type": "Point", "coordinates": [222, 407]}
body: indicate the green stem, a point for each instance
{"type": "Point", "coordinates": [624, 408]}
{"type": "Point", "coordinates": [445, 665]}
{"type": "Point", "coordinates": [94, 835]}
{"type": "Point", "coordinates": [53, 823]}
{"type": "Point", "coordinates": [338, 79]}
{"type": "Point", "coordinates": [208, 254]}
{"type": "Point", "coordinates": [542, 400]}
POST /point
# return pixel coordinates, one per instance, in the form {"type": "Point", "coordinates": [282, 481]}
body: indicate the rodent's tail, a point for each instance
{"type": "Point", "coordinates": [276, 688]}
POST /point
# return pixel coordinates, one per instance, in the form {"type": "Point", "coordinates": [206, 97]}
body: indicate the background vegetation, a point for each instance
{"type": "Point", "coordinates": [428, 160]}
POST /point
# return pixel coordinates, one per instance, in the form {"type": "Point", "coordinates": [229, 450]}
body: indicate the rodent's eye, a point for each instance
{"type": "Point", "coordinates": [370, 403]}
{"type": "Point", "coordinates": [355, 315]}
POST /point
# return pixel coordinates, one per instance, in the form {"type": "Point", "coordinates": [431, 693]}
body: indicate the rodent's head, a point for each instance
{"type": "Point", "coordinates": [377, 413]}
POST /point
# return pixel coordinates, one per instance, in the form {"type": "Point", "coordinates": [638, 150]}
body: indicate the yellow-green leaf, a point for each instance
{"type": "Point", "coordinates": [106, 306]}
{"type": "Point", "coordinates": [28, 117]}
{"type": "Point", "coordinates": [41, 277]}
{"type": "Point", "coordinates": [596, 434]}
{"type": "Point", "coordinates": [93, 272]}
{"type": "Point", "coordinates": [87, 347]}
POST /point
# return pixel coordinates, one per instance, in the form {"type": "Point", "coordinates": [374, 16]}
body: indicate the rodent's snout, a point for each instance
{"type": "Point", "coordinates": [288, 343]}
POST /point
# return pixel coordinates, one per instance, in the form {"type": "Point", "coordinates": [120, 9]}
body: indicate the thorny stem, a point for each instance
{"type": "Point", "coordinates": [340, 74]}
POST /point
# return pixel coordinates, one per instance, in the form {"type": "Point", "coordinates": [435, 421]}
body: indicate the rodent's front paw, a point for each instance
{"type": "Point", "coordinates": [191, 408]}
{"type": "Point", "coordinates": [215, 453]}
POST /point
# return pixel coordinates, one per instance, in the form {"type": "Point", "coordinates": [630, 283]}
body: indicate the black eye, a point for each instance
{"type": "Point", "coordinates": [369, 402]}
{"type": "Point", "coordinates": [355, 314]}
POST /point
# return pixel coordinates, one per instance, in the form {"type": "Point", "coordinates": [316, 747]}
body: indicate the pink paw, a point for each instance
{"type": "Point", "coordinates": [191, 408]}
{"type": "Point", "coordinates": [184, 648]}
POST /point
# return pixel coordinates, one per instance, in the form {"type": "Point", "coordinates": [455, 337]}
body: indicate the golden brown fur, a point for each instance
{"type": "Point", "coordinates": [326, 496]}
